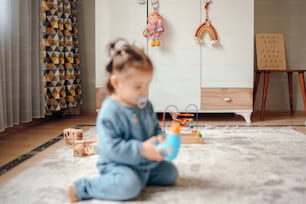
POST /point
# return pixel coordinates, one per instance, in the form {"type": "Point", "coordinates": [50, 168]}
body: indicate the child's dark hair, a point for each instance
{"type": "Point", "coordinates": [125, 57]}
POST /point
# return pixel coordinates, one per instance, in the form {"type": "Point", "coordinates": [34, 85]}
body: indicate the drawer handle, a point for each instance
{"type": "Point", "coordinates": [227, 99]}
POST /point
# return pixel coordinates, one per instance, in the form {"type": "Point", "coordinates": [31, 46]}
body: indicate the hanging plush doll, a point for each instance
{"type": "Point", "coordinates": [154, 28]}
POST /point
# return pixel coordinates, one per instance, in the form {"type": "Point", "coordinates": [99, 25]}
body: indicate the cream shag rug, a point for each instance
{"type": "Point", "coordinates": [234, 165]}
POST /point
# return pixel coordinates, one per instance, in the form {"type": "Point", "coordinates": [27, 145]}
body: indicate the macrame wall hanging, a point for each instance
{"type": "Point", "coordinates": [206, 26]}
{"type": "Point", "coordinates": [154, 27]}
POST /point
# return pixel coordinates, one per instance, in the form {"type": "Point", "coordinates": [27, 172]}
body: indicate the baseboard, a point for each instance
{"type": "Point", "coordinates": [22, 125]}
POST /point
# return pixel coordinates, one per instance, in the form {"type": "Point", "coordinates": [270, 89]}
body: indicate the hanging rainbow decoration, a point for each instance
{"type": "Point", "coordinates": [206, 26]}
{"type": "Point", "coordinates": [209, 28]}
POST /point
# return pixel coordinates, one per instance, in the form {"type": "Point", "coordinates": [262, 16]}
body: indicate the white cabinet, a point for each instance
{"type": "Point", "coordinates": [227, 71]}
{"type": "Point", "coordinates": [177, 59]}
{"type": "Point", "coordinates": [215, 79]}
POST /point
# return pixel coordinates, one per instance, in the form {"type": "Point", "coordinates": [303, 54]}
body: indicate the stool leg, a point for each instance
{"type": "Point", "coordinates": [264, 96]}
{"type": "Point", "coordinates": [257, 78]}
{"type": "Point", "coordinates": [290, 92]}
{"type": "Point", "coordinates": [302, 84]}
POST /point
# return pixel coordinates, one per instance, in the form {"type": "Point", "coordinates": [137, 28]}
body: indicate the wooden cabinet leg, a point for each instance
{"type": "Point", "coordinates": [290, 92]}
{"type": "Point", "coordinates": [302, 84]}
{"type": "Point", "coordinates": [256, 82]}
{"type": "Point", "coordinates": [264, 96]}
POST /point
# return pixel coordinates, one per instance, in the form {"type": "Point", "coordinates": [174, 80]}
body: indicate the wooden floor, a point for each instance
{"type": "Point", "coordinates": [19, 141]}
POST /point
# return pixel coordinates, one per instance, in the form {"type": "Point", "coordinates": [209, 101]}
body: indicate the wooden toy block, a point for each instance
{"type": "Point", "coordinates": [84, 148]}
{"type": "Point", "coordinates": [71, 135]}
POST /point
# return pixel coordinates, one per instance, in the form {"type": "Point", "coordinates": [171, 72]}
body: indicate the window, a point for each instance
{"type": "Point", "coordinates": [3, 13]}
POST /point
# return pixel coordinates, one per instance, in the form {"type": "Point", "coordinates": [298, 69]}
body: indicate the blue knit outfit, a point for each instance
{"type": "Point", "coordinates": [123, 171]}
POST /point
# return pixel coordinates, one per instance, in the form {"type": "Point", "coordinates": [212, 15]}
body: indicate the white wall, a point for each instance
{"type": "Point", "coordinates": [86, 22]}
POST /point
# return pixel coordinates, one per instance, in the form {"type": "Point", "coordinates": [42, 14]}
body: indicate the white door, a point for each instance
{"type": "Point", "coordinates": [231, 64]}
{"type": "Point", "coordinates": [177, 59]}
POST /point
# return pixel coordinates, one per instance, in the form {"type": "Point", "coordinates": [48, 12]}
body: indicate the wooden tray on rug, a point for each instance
{"type": "Point", "coordinates": [189, 138]}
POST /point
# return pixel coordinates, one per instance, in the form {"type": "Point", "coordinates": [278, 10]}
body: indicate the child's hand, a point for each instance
{"type": "Point", "coordinates": [151, 151]}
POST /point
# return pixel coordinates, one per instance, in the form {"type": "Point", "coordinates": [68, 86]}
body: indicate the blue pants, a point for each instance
{"type": "Point", "coordinates": [120, 182]}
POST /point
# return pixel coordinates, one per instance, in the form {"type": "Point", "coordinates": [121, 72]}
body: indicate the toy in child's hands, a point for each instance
{"type": "Point", "coordinates": [154, 28]}
{"type": "Point", "coordinates": [171, 145]}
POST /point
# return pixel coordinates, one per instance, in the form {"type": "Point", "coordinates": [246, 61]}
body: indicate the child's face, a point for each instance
{"type": "Point", "coordinates": [132, 85]}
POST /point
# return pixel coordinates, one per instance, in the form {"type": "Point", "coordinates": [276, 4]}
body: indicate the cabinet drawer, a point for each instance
{"type": "Point", "coordinates": [226, 98]}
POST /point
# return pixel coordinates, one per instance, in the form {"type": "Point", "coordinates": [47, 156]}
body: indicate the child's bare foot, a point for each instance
{"type": "Point", "coordinates": [71, 193]}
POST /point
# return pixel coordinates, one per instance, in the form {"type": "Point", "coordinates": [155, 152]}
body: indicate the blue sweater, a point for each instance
{"type": "Point", "coordinates": [121, 130]}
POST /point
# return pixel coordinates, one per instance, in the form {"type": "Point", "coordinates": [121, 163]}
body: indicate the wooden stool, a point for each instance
{"type": "Point", "coordinates": [266, 82]}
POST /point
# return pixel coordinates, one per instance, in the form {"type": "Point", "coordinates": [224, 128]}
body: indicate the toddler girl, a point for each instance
{"type": "Point", "coordinates": [127, 128]}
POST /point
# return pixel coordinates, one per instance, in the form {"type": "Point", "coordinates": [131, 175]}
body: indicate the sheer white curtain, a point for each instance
{"type": "Point", "coordinates": [21, 94]}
